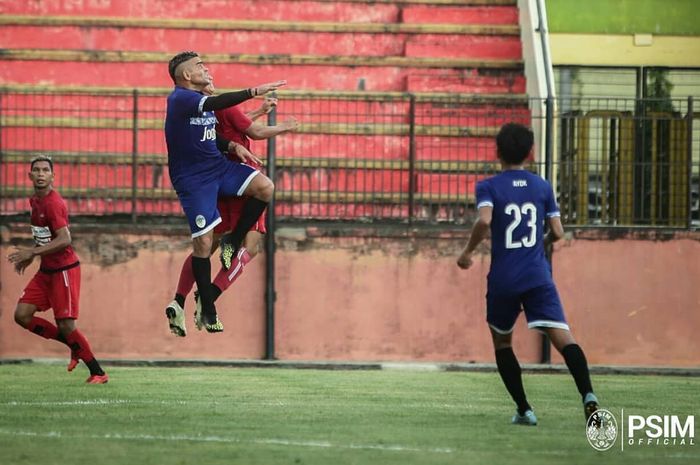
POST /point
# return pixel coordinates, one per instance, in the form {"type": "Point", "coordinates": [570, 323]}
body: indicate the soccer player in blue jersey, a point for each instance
{"type": "Point", "coordinates": [200, 173]}
{"type": "Point", "coordinates": [513, 206]}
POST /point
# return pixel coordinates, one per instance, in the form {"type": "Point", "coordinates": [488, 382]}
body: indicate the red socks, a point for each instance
{"type": "Point", "coordinates": [223, 279]}
{"type": "Point", "coordinates": [79, 343]}
{"type": "Point", "coordinates": [227, 277]}
{"type": "Point", "coordinates": [186, 282]}
{"type": "Point", "coordinates": [43, 328]}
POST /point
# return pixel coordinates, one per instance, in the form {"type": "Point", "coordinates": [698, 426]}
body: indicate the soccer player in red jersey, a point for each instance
{"type": "Point", "coordinates": [57, 283]}
{"type": "Point", "coordinates": [239, 128]}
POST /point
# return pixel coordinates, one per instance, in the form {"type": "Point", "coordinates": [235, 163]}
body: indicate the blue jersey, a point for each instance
{"type": "Point", "coordinates": [190, 135]}
{"type": "Point", "coordinates": [521, 201]}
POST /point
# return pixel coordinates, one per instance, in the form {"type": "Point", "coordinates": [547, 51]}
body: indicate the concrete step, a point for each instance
{"type": "Point", "coordinates": [447, 14]}
{"type": "Point", "coordinates": [262, 42]}
{"type": "Point", "coordinates": [274, 10]}
{"type": "Point", "coordinates": [464, 46]}
{"type": "Point", "coordinates": [468, 81]}
{"type": "Point", "coordinates": [136, 69]}
{"type": "Point", "coordinates": [90, 23]}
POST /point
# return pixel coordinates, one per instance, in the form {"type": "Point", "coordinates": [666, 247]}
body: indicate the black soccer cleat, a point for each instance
{"type": "Point", "coordinates": [590, 406]}
{"type": "Point", "coordinates": [228, 251]}
{"type": "Point", "coordinates": [202, 321]}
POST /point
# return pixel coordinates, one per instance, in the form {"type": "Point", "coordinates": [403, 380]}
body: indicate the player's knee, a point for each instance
{"type": "Point", "coordinates": [201, 245]}
{"type": "Point", "coordinates": [267, 190]}
{"type": "Point", "coordinates": [66, 326]}
{"type": "Point", "coordinates": [22, 317]}
{"type": "Point", "coordinates": [501, 344]}
{"type": "Point", "coordinates": [262, 188]}
{"type": "Point", "coordinates": [501, 341]}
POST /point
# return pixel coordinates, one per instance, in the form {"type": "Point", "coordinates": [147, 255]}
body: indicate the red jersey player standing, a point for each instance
{"type": "Point", "coordinates": [239, 128]}
{"type": "Point", "coordinates": [57, 283]}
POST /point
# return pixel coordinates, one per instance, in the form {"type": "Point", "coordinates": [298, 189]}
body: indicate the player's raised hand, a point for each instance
{"type": "Point", "coordinates": [291, 124]}
{"type": "Point", "coordinates": [269, 87]}
{"type": "Point", "coordinates": [268, 104]}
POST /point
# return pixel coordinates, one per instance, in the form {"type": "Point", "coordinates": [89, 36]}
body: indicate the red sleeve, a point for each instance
{"type": "Point", "coordinates": [57, 215]}
{"type": "Point", "coordinates": [234, 119]}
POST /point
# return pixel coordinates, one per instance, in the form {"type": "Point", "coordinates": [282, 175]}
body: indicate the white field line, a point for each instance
{"type": "Point", "coordinates": [277, 403]}
{"type": "Point", "coordinates": [15, 403]}
{"type": "Point", "coordinates": [287, 442]}
{"type": "Point", "coordinates": [221, 439]}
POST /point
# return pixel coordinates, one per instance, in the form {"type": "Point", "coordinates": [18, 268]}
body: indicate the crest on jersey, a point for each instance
{"type": "Point", "coordinates": [200, 221]}
{"type": "Point", "coordinates": [601, 430]}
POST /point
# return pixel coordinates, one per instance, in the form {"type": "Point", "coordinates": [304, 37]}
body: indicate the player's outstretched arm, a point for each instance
{"type": "Point", "coordinates": [269, 87]}
{"type": "Point", "coordinates": [259, 131]}
{"type": "Point", "coordinates": [480, 231]}
{"type": "Point", "coordinates": [266, 107]}
{"type": "Point", "coordinates": [230, 99]}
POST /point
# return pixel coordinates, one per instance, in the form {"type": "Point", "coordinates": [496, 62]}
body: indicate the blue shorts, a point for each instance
{"type": "Point", "coordinates": [199, 200]}
{"type": "Point", "coordinates": [541, 304]}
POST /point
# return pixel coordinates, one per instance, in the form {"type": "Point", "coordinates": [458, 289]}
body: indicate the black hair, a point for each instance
{"type": "Point", "coordinates": [41, 158]}
{"type": "Point", "coordinates": [514, 142]}
{"type": "Point", "coordinates": [179, 59]}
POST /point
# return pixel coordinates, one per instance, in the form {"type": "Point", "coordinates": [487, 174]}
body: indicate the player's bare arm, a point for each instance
{"type": "Point", "coordinates": [555, 233]}
{"type": "Point", "coordinates": [259, 131]}
{"type": "Point", "coordinates": [27, 254]}
{"type": "Point", "coordinates": [243, 153]}
{"type": "Point", "coordinates": [268, 104]}
{"type": "Point", "coordinates": [480, 231]}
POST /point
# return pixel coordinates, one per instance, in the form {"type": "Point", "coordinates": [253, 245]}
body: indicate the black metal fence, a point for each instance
{"type": "Point", "coordinates": [369, 157]}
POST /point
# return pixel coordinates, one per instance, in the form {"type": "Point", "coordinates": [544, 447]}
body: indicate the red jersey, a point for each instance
{"type": "Point", "coordinates": [232, 123]}
{"type": "Point", "coordinates": [49, 214]}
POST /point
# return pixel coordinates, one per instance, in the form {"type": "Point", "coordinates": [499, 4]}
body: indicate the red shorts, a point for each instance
{"type": "Point", "coordinates": [60, 291]}
{"type": "Point", "coordinates": [230, 209]}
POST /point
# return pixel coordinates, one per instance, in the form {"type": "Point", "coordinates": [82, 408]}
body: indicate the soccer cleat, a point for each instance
{"type": "Point", "coordinates": [176, 318]}
{"type": "Point", "coordinates": [74, 360]}
{"type": "Point", "coordinates": [528, 418]}
{"type": "Point", "coordinates": [228, 251]}
{"type": "Point", "coordinates": [212, 327]}
{"type": "Point", "coordinates": [590, 406]}
{"type": "Point", "coordinates": [198, 323]}
{"type": "Point", "coordinates": [215, 326]}
{"type": "Point", "coordinates": [97, 379]}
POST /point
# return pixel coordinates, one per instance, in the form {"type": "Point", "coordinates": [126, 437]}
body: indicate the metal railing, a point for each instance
{"type": "Point", "coordinates": [367, 157]}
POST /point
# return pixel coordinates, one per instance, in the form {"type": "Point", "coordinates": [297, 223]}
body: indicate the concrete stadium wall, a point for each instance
{"type": "Point", "coordinates": [629, 300]}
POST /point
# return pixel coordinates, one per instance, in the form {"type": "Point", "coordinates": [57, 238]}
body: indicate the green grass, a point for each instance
{"type": "Point", "coordinates": [287, 416]}
{"type": "Point", "coordinates": [661, 17]}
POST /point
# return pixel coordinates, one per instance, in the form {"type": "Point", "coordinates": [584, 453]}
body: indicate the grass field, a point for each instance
{"type": "Point", "coordinates": [290, 416]}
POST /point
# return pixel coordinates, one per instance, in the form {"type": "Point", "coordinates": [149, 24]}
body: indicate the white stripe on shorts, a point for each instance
{"type": "Point", "coordinates": [244, 186]}
{"type": "Point", "coordinates": [207, 229]}
{"type": "Point", "coordinates": [547, 324]}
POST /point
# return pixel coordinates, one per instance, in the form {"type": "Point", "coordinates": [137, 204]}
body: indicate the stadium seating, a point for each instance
{"type": "Point", "coordinates": [399, 100]}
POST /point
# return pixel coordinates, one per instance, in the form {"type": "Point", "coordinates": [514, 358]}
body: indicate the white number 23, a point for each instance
{"type": "Point", "coordinates": [529, 211]}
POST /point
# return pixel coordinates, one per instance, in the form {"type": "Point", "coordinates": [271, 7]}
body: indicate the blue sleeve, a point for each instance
{"type": "Point", "coordinates": [551, 209]}
{"type": "Point", "coordinates": [483, 195]}
{"type": "Point", "coordinates": [187, 104]}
